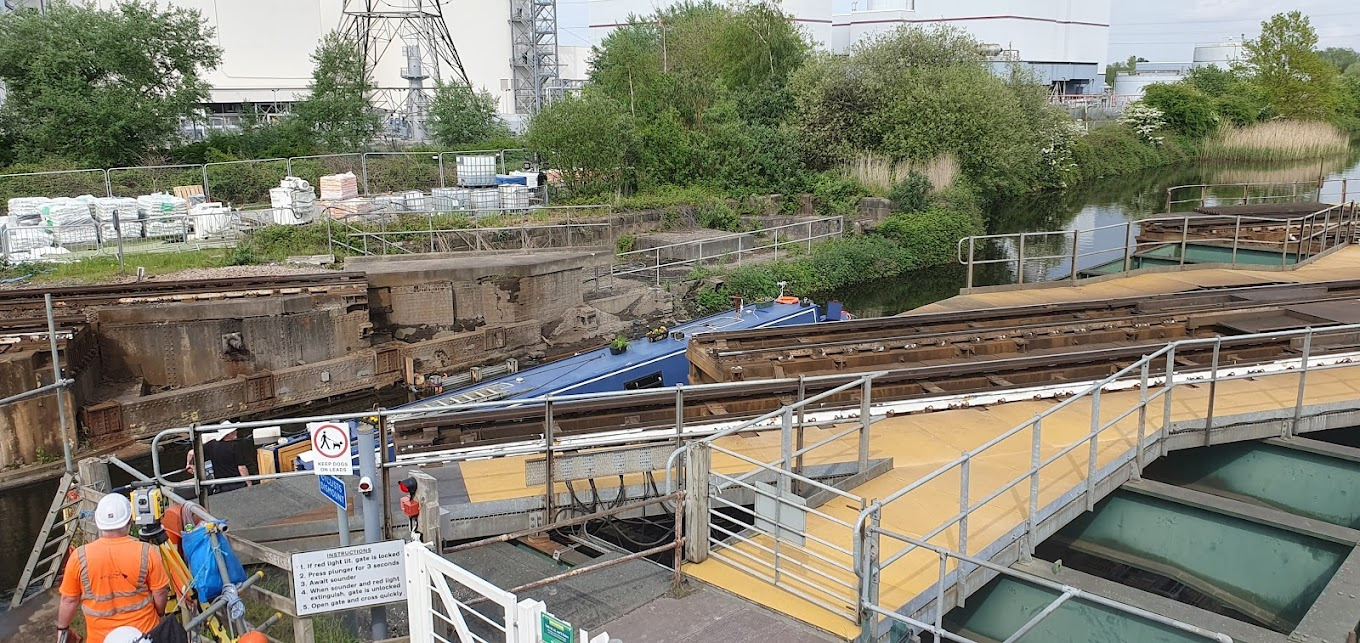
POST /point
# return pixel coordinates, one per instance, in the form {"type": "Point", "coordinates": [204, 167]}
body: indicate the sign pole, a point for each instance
{"type": "Point", "coordinates": [342, 518]}
{"type": "Point", "coordinates": [372, 503]}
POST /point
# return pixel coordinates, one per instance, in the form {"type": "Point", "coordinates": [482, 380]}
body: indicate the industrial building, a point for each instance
{"type": "Point", "coordinates": [1130, 85]}
{"type": "Point", "coordinates": [506, 47]}
{"type": "Point", "coordinates": [1063, 41]}
{"type": "Point", "coordinates": [510, 47]}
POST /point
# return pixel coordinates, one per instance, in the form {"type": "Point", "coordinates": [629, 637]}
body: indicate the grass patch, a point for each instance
{"type": "Point", "coordinates": [903, 242]}
{"type": "Point", "coordinates": [328, 628]}
{"type": "Point", "coordinates": [878, 173]}
{"type": "Point", "coordinates": [1276, 141]}
{"type": "Point", "coordinates": [96, 269]}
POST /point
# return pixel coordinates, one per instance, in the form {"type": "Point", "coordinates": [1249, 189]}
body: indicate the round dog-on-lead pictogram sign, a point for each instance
{"type": "Point", "coordinates": [331, 450]}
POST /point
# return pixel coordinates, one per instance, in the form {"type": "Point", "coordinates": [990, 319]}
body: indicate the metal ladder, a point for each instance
{"type": "Point", "coordinates": [56, 530]}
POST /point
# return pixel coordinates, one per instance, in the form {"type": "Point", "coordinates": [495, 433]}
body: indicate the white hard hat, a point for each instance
{"type": "Point", "coordinates": [113, 512]}
{"type": "Point", "coordinates": [124, 634]}
{"type": "Point", "coordinates": [223, 432]}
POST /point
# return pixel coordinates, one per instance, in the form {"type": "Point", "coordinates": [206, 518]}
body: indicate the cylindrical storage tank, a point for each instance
{"type": "Point", "coordinates": [476, 171]}
{"type": "Point", "coordinates": [1130, 87]}
{"type": "Point", "coordinates": [415, 201]}
{"type": "Point", "coordinates": [1221, 55]}
{"type": "Point", "coordinates": [450, 199]}
{"type": "Point", "coordinates": [514, 197]}
{"type": "Point", "coordinates": [485, 200]}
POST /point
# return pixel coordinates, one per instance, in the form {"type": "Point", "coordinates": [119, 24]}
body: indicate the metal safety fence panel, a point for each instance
{"type": "Point", "coordinates": [460, 230]}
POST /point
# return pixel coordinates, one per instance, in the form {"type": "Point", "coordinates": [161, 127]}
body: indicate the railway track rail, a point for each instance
{"type": "Point", "coordinates": [898, 342]}
{"type": "Point", "coordinates": [951, 354]}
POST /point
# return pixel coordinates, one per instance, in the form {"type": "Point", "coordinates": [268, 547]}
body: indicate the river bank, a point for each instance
{"type": "Point", "coordinates": [1129, 197]}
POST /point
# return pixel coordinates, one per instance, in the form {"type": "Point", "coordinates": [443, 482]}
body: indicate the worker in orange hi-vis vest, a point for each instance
{"type": "Point", "coordinates": [115, 580]}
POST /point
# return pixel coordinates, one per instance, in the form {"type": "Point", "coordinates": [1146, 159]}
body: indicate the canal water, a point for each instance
{"type": "Point", "coordinates": [1100, 203]}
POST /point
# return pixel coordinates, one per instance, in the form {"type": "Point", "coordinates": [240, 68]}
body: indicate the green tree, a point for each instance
{"type": "Point", "coordinates": [1296, 81]}
{"type": "Point", "coordinates": [917, 94]}
{"type": "Point", "coordinates": [1186, 110]}
{"type": "Point", "coordinates": [336, 113]}
{"type": "Point", "coordinates": [1348, 105]}
{"type": "Point", "coordinates": [101, 87]}
{"type": "Point", "coordinates": [461, 116]}
{"type": "Point", "coordinates": [589, 139]}
{"type": "Point", "coordinates": [706, 89]}
{"type": "Point", "coordinates": [1112, 70]}
{"type": "Point", "coordinates": [1341, 57]}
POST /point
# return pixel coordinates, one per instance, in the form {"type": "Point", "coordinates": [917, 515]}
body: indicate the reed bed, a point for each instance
{"type": "Point", "coordinates": [1276, 141]}
{"type": "Point", "coordinates": [878, 173]}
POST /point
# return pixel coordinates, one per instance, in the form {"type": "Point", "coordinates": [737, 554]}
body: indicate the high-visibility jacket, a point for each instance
{"type": "Point", "coordinates": [114, 579]}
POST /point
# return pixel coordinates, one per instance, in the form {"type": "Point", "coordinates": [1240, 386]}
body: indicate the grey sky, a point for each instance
{"type": "Point", "coordinates": [1168, 30]}
{"type": "Point", "coordinates": [1159, 30]}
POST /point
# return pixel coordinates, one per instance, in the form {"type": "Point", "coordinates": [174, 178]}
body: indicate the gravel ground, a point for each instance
{"type": "Point", "coordinates": [231, 272]}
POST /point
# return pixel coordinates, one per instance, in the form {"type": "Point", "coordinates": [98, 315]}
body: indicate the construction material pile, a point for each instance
{"type": "Point", "coordinates": [117, 216]}
{"type": "Point", "coordinates": [70, 220]}
{"type": "Point", "coordinates": [163, 215]}
{"type": "Point", "coordinates": [338, 187]}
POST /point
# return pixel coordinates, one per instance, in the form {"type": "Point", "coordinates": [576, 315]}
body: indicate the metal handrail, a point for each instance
{"type": "Point", "coordinates": [1065, 593]}
{"type": "Point", "coordinates": [1204, 189]}
{"type": "Point", "coordinates": [870, 515]}
{"type": "Point", "coordinates": [534, 406]}
{"type": "Point", "coordinates": [655, 252]}
{"type": "Point", "coordinates": [1332, 233]}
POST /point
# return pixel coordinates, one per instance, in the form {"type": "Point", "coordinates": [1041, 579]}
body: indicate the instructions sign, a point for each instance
{"type": "Point", "coordinates": [334, 489]}
{"type": "Point", "coordinates": [330, 446]}
{"type": "Point", "coordinates": [555, 630]}
{"type": "Point", "coordinates": [349, 577]}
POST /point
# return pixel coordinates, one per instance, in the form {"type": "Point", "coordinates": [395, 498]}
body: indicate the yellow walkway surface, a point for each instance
{"type": "Point", "coordinates": [921, 443]}
{"type": "Point", "coordinates": [1342, 264]}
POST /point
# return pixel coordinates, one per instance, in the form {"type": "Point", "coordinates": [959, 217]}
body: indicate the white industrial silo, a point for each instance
{"type": "Point", "coordinates": [1221, 55]}
{"type": "Point", "coordinates": [1129, 87]}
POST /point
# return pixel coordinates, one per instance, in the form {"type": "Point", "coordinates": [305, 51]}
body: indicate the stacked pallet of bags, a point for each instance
{"type": "Point", "coordinates": [71, 221]}
{"type": "Point", "coordinates": [163, 215]}
{"type": "Point", "coordinates": [125, 211]}
{"type": "Point", "coordinates": [22, 232]}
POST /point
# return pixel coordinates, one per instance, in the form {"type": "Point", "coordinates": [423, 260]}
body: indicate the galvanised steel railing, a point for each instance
{"type": "Point", "coordinates": [1302, 238]}
{"type": "Point", "coordinates": [785, 550]}
{"type": "Point", "coordinates": [650, 259]}
{"type": "Point", "coordinates": [1138, 375]}
{"type": "Point", "coordinates": [1188, 197]}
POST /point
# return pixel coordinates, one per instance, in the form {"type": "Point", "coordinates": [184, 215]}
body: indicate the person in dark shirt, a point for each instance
{"type": "Point", "coordinates": [224, 461]}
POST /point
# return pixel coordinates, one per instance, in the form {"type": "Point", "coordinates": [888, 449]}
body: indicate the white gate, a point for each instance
{"type": "Point", "coordinates": [449, 604]}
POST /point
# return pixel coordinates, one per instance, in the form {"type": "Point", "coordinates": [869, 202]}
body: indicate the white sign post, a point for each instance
{"type": "Point", "coordinates": [349, 577]}
{"type": "Point", "coordinates": [330, 446]}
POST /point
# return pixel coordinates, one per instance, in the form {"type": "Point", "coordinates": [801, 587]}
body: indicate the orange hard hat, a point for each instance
{"type": "Point", "coordinates": [253, 636]}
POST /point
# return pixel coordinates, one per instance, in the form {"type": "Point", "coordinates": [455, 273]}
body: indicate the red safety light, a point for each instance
{"type": "Point", "coordinates": [407, 486]}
